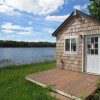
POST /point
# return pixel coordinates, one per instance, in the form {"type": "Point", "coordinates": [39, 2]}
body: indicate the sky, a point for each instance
{"type": "Point", "coordinates": [35, 20]}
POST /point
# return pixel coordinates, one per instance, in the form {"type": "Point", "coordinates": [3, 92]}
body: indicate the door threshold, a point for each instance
{"type": "Point", "coordinates": [92, 73]}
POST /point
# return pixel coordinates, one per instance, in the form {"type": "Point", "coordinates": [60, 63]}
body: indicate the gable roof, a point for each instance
{"type": "Point", "coordinates": [73, 14]}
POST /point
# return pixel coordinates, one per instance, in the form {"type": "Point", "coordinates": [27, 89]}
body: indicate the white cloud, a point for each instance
{"type": "Point", "coordinates": [79, 7]}
{"type": "Point", "coordinates": [10, 26]}
{"type": "Point", "coordinates": [24, 33]}
{"type": "Point", "coordinates": [34, 6]}
{"type": "Point", "coordinates": [11, 36]}
{"type": "Point", "coordinates": [49, 30]}
{"type": "Point", "coordinates": [8, 31]}
{"type": "Point", "coordinates": [57, 18]}
{"type": "Point", "coordinates": [2, 2]}
{"type": "Point", "coordinates": [21, 38]}
{"type": "Point", "coordinates": [8, 10]}
{"type": "Point", "coordinates": [39, 40]}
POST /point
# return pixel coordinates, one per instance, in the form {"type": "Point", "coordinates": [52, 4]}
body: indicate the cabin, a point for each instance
{"type": "Point", "coordinates": [78, 43]}
{"type": "Point", "coordinates": [77, 59]}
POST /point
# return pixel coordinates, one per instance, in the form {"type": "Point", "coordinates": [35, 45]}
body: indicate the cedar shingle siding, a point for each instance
{"type": "Point", "coordinates": [78, 25]}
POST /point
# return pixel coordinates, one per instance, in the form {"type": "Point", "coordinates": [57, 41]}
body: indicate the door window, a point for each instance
{"type": "Point", "coordinates": [92, 46]}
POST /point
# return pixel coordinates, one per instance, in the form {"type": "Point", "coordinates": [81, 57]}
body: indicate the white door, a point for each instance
{"type": "Point", "coordinates": [92, 54]}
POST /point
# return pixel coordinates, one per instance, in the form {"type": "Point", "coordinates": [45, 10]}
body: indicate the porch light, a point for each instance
{"type": "Point", "coordinates": [80, 36]}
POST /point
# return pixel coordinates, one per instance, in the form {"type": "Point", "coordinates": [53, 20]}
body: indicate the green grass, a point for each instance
{"type": "Point", "coordinates": [13, 85]}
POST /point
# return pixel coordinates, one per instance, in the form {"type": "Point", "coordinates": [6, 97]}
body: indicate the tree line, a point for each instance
{"type": "Point", "coordinates": [26, 44]}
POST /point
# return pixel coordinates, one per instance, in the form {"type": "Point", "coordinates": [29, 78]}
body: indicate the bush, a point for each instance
{"type": "Point", "coordinates": [96, 94]}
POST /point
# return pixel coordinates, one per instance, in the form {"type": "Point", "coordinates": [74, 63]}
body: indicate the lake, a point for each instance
{"type": "Point", "coordinates": [16, 56]}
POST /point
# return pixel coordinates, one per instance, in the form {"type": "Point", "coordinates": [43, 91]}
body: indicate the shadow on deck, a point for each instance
{"type": "Point", "coordinates": [67, 83]}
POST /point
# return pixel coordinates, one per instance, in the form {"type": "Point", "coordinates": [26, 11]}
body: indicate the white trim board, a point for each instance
{"type": "Point", "coordinates": [83, 49]}
{"type": "Point", "coordinates": [85, 59]}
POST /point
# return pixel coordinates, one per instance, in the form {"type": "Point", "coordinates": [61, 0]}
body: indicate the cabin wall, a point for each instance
{"type": "Point", "coordinates": [77, 26]}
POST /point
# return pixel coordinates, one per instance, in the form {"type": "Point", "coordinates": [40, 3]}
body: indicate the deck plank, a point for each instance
{"type": "Point", "coordinates": [68, 81]}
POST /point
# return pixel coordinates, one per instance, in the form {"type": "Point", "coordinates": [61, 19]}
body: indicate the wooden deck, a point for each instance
{"type": "Point", "coordinates": [68, 83]}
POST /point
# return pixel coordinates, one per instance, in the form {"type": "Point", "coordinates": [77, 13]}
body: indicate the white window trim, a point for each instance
{"type": "Point", "coordinates": [70, 52]}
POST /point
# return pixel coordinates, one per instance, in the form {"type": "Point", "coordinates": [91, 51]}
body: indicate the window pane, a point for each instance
{"type": "Point", "coordinates": [67, 45]}
{"type": "Point", "coordinates": [96, 51]}
{"type": "Point", "coordinates": [88, 46]}
{"type": "Point", "coordinates": [73, 44]}
{"type": "Point", "coordinates": [88, 40]}
{"type": "Point", "coordinates": [92, 40]}
{"type": "Point", "coordinates": [96, 45]}
{"type": "Point", "coordinates": [88, 51]}
{"type": "Point", "coordinates": [92, 51]}
{"type": "Point", "coordinates": [96, 39]}
{"type": "Point", "coordinates": [92, 46]}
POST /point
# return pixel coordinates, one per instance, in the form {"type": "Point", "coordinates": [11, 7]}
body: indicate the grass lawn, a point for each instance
{"type": "Point", "coordinates": [13, 85]}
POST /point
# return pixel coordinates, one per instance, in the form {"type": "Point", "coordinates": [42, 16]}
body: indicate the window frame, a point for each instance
{"type": "Point", "coordinates": [71, 52]}
{"type": "Point", "coordinates": [90, 54]}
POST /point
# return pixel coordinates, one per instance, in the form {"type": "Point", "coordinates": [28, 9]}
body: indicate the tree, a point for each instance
{"type": "Point", "coordinates": [26, 44]}
{"type": "Point", "coordinates": [94, 8]}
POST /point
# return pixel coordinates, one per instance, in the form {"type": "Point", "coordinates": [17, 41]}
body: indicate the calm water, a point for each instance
{"type": "Point", "coordinates": [25, 55]}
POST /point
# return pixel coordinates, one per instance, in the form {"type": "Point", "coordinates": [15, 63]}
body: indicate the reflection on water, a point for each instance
{"type": "Point", "coordinates": [6, 62]}
{"type": "Point", "coordinates": [25, 55]}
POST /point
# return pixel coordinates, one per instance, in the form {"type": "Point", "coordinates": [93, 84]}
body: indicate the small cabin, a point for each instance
{"type": "Point", "coordinates": [78, 43]}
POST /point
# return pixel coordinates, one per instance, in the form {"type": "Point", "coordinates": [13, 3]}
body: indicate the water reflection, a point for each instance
{"type": "Point", "coordinates": [6, 62]}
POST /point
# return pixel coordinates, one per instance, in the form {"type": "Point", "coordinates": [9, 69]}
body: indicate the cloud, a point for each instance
{"type": "Point", "coordinates": [8, 10]}
{"type": "Point", "coordinates": [8, 31]}
{"type": "Point", "coordinates": [79, 7]}
{"type": "Point", "coordinates": [24, 33]}
{"type": "Point", "coordinates": [33, 6]}
{"type": "Point", "coordinates": [1, 1]}
{"type": "Point", "coordinates": [10, 26]}
{"type": "Point", "coordinates": [11, 36]}
{"type": "Point", "coordinates": [57, 18]}
{"type": "Point", "coordinates": [49, 30]}
{"type": "Point", "coordinates": [38, 39]}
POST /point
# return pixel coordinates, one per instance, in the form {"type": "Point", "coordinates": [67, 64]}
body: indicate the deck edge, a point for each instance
{"type": "Point", "coordinates": [33, 81]}
{"type": "Point", "coordinates": [55, 90]}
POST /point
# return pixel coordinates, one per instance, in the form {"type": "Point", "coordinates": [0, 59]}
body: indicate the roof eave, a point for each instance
{"type": "Point", "coordinates": [54, 33]}
{"type": "Point", "coordinates": [67, 20]}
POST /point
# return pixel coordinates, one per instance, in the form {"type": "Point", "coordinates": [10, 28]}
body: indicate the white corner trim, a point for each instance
{"type": "Point", "coordinates": [83, 47]}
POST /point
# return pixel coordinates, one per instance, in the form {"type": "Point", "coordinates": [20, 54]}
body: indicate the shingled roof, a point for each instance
{"type": "Point", "coordinates": [73, 14]}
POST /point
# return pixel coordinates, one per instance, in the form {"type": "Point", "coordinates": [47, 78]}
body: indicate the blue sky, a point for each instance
{"type": "Point", "coordinates": [35, 20]}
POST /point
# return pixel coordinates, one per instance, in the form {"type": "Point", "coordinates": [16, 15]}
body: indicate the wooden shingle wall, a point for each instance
{"type": "Point", "coordinates": [77, 26]}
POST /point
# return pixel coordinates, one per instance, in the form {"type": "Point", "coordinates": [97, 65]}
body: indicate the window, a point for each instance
{"type": "Point", "coordinates": [71, 45]}
{"type": "Point", "coordinates": [92, 46]}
